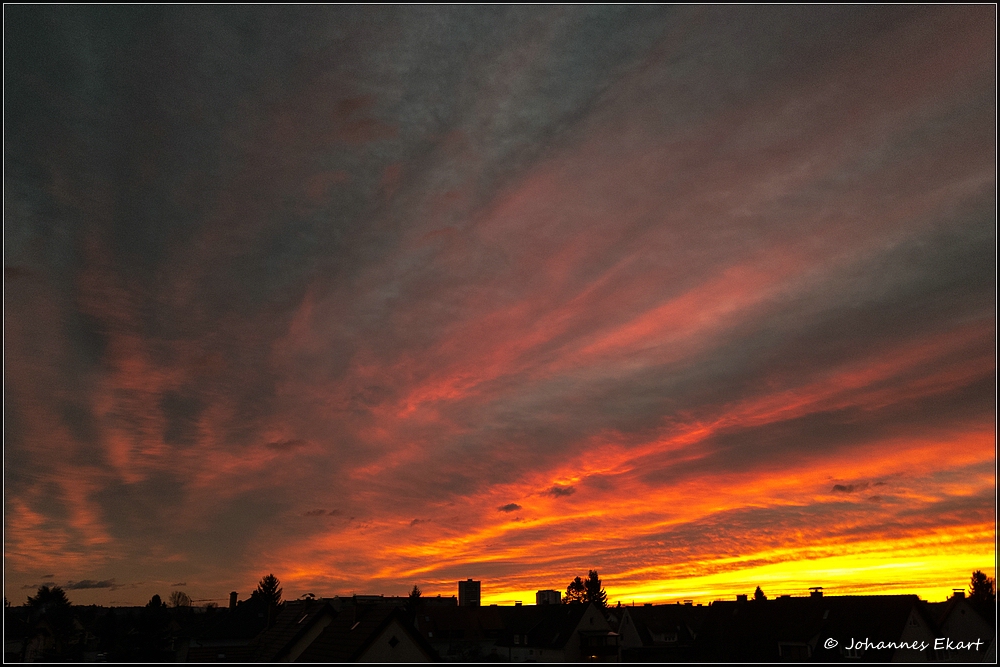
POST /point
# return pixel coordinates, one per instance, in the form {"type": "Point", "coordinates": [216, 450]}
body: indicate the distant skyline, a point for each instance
{"type": "Point", "coordinates": [700, 297]}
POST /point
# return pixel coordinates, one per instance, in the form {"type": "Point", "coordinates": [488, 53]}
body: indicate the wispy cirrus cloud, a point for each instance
{"type": "Point", "coordinates": [694, 309]}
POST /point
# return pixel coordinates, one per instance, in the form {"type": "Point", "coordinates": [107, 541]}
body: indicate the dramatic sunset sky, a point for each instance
{"type": "Point", "coordinates": [368, 297]}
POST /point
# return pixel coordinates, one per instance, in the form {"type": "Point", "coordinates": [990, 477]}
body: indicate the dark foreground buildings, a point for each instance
{"type": "Point", "coordinates": [880, 628]}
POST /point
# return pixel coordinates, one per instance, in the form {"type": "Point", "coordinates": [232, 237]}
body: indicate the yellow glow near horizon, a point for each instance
{"type": "Point", "coordinates": [871, 569]}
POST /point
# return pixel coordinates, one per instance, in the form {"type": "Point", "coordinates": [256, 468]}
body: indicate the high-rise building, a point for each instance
{"type": "Point", "coordinates": [548, 597]}
{"type": "Point", "coordinates": [469, 593]}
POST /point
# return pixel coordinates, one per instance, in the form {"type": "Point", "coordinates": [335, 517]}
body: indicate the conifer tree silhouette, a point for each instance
{"type": "Point", "coordinates": [594, 593]}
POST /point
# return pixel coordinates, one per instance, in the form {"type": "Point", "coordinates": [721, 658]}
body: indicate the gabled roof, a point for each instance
{"type": "Point", "coordinates": [234, 625]}
{"type": "Point", "coordinates": [548, 626]}
{"type": "Point", "coordinates": [293, 622]}
{"type": "Point", "coordinates": [453, 623]}
{"type": "Point", "coordinates": [652, 622]}
{"type": "Point", "coordinates": [942, 612]}
{"type": "Point", "coordinates": [752, 631]}
{"type": "Point", "coordinates": [351, 633]}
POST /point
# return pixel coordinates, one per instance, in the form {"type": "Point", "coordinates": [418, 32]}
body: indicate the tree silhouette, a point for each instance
{"type": "Point", "coordinates": [47, 599]}
{"type": "Point", "coordinates": [180, 599]}
{"type": "Point", "coordinates": [146, 639]}
{"type": "Point", "coordinates": [594, 593]}
{"type": "Point", "coordinates": [53, 605]}
{"type": "Point", "coordinates": [575, 592]}
{"type": "Point", "coordinates": [983, 594]}
{"type": "Point", "coordinates": [268, 595]}
{"type": "Point", "coordinates": [268, 591]}
{"type": "Point", "coordinates": [758, 595]}
{"type": "Point", "coordinates": [413, 600]}
{"type": "Point", "coordinates": [982, 589]}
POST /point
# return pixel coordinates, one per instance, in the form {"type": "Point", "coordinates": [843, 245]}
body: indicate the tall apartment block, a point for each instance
{"type": "Point", "coordinates": [469, 593]}
{"type": "Point", "coordinates": [548, 597]}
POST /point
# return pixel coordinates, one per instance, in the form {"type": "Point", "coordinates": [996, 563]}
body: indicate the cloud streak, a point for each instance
{"type": "Point", "coordinates": [687, 283]}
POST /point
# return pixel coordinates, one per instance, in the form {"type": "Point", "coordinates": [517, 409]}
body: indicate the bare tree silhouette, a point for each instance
{"type": "Point", "coordinates": [180, 599]}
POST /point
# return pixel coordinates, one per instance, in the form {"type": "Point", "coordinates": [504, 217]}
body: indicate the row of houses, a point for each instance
{"type": "Point", "coordinates": [367, 630]}
{"type": "Point", "coordinates": [817, 628]}
{"type": "Point", "coordinates": [879, 628]}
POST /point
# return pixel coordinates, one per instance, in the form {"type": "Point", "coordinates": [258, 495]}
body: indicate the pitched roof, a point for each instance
{"type": "Point", "coordinates": [243, 623]}
{"type": "Point", "coordinates": [548, 626]}
{"type": "Point", "coordinates": [472, 624]}
{"type": "Point", "coordinates": [293, 621]}
{"type": "Point", "coordinates": [752, 631]}
{"type": "Point", "coordinates": [350, 634]}
{"type": "Point", "coordinates": [652, 623]}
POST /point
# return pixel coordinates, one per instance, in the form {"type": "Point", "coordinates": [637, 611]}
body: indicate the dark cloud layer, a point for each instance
{"type": "Point", "coordinates": [692, 262]}
{"type": "Point", "coordinates": [89, 583]}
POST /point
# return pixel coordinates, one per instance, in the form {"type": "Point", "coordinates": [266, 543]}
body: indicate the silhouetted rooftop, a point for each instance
{"type": "Point", "coordinates": [353, 630]}
{"type": "Point", "coordinates": [752, 631]}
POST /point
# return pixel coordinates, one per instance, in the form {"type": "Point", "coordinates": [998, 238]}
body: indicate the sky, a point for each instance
{"type": "Point", "coordinates": [703, 298]}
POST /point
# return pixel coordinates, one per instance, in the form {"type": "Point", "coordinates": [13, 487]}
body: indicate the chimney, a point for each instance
{"type": "Point", "coordinates": [958, 593]}
{"type": "Point", "coordinates": [816, 592]}
{"type": "Point", "coordinates": [741, 597]}
{"type": "Point", "coordinates": [517, 603]}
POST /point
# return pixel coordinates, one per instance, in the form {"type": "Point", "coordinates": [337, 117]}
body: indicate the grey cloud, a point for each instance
{"type": "Point", "coordinates": [849, 488]}
{"type": "Point", "coordinates": [560, 491]}
{"type": "Point", "coordinates": [868, 305]}
{"type": "Point", "coordinates": [89, 583]}
{"type": "Point", "coordinates": [181, 409]}
{"type": "Point", "coordinates": [286, 445]}
{"type": "Point", "coordinates": [797, 439]}
{"type": "Point", "coordinates": [198, 221]}
{"type": "Point", "coordinates": [315, 513]}
{"type": "Point", "coordinates": [509, 507]}
{"type": "Point", "coordinates": [182, 583]}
